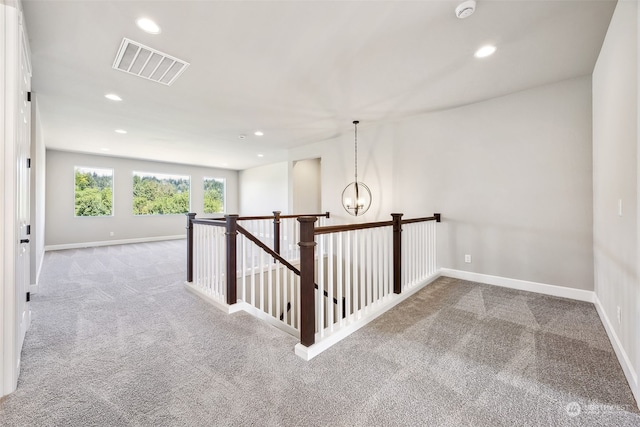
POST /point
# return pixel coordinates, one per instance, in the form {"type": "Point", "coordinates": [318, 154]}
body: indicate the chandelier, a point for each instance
{"type": "Point", "coordinates": [356, 197]}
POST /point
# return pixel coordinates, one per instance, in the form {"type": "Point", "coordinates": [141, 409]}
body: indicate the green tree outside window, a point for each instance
{"type": "Point", "coordinates": [160, 194]}
{"type": "Point", "coordinates": [93, 192]}
{"type": "Point", "coordinates": [214, 195]}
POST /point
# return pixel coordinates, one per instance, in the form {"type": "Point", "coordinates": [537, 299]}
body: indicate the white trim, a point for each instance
{"type": "Point", "coordinates": [228, 309]}
{"type": "Point", "coordinates": [267, 318]}
{"type": "Point", "coordinates": [308, 353]}
{"type": "Point", "coordinates": [10, 75]}
{"type": "Point", "coordinates": [241, 306]}
{"type": "Point", "coordinates": [35, 287]}
{"type": "Point", "coordinates": [623, 357]}
{"type": "Point", "coordinates": [111, 242]}
{"type": "Point", "coordinates": [522, 285]}
{"type": "Point", "coordinates": [5, 258]}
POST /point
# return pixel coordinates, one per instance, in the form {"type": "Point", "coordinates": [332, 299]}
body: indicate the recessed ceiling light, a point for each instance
{"type": "Point", "coordinates": [148, 25]}
{"type": "Point", "coordinates": [113, 97]}
{"type": "Point", "coordinates": [122, 131]}
{"type": "Point", "coordinates": [485, 51]}
{"type": "Point", "coordinates": [260, 155]}
{"type": "Point", "coordinates": [258, 133]}
{"type": "Point", "coordinates": [242, 136]}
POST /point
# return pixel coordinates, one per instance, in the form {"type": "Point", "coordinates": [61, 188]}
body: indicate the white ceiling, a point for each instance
{"type": "Point", "coordinates": [301, 71]}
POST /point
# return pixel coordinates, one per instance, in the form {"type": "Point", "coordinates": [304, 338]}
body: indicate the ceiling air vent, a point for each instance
{"type": "Point", "coordinates": [143, 61]}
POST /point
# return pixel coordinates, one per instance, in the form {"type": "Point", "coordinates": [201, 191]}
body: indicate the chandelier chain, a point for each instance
{"type": "Point", "coordinates": [356, 149]}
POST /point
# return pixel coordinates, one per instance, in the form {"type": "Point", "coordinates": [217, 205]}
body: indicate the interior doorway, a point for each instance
{"type": "Point", "coordinates": [307, 186]}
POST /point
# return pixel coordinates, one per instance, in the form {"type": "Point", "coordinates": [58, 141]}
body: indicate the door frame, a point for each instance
{"type": "Point", "coordinates": [10, 51]}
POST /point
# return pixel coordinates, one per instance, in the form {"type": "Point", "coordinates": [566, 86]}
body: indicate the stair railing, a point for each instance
{"type": "Point", "coordinates": [366, 264]}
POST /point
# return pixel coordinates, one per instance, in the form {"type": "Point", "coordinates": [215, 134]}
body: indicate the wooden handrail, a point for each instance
{"type": "Point", "coordinates": [263, 217]}
{"type": "Point", "coordinates": [326, 215]}
{"type": "Point", "coordinates": [210, 221]}
{"type": "Point", "coordinates": [350, 227]}
{"type": "Point", "coordinates": [423, 219]}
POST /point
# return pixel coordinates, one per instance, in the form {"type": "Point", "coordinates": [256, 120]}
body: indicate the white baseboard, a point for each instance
{"type": "Point", "coordinates": [111, 242]}
{"type": "Point", "coordinates": [308, 353]}
{"type": "Point", "coordinates": [623, 357]}
{"type": "Point", "coordinates": [220, 305]}
{"type": "Point", "coordinates": [267, 318]}
{"type": "Point", "coordinates": [241, 306]}
{"type": "Point", "coordinates": [522, 285]}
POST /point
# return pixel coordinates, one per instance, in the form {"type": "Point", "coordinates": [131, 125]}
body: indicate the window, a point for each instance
{"type": "Point", "coordinates": [160, 194]}
{"type": "Point", "coordinates": [94, 191]}
{"type": "Point", "coordinates": [214, 194]}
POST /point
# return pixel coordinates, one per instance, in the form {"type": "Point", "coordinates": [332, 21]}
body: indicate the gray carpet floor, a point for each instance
{"type": "Point", "coordinates": [116, 340]}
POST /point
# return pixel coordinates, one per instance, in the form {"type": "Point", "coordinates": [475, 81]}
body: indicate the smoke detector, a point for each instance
{"type": "Point", "coordinates": [466, 9]}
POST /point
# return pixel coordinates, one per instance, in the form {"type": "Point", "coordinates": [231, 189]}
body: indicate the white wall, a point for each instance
{"type": "Point", "coordinates": [63, 228]}
{"type": "Point", "coordinates": [511, 177]}
{"type": "Point", "coordinates": [264, 189]}
{"type": "Point", "coordinates": [307, 183]}
{"type": "Point", "coordinates": [375, 169]}
{"type": "Point", "coordinates": [38, 187]}
{"type": "Point", "coordinates": [615, 177]}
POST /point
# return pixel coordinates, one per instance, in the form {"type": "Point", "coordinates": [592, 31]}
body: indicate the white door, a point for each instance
{"type": "Point", "coordinates": [23, 148]}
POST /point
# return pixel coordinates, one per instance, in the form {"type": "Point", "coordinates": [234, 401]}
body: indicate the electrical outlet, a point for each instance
{"type": "Point", "coordinates": [111, 233]}
{"type": "Point", "coordinates": [467, 259]}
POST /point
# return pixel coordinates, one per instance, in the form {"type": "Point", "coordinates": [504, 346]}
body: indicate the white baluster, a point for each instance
{"type": "Point", "coordinates": [380, 262]}
{"type": "Point", "coordinates": [261, 272]}
{"type": "Point", "coordinates": [278, 293]}
{"type": "Point", "coordinates": [330, 303]}
{"type": "Point", "coordinates": [370, 268]}
{"type": "Point", "coordinates": [243, 268]}
{"type": "Point", "coordinates": [270, 286]}
{"type": "Point", "coordinates": [295, 303]}
{"type": "Point", "coordinates": [347, 278]}
{"type": "Point", "coordinates": [362, 277]}
{"type": "Point", "coordinates": [252, 264]}
{"type": "Point", "coordinates": [320, 292]}
{"type": "Point", "coordinates": [339, 278]}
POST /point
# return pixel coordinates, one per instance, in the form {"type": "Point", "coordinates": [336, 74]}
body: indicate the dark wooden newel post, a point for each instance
{"type": "Point", "coordinates": [307, 282]}
{"type": "Point", "coordinates": [276, 232]}
{"type": "Point", "coordinates": [397, 253]}
{"type": "Point", "coordinates": [232, 233]}
{"type": "Point", "coordinates": [190, 217]}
